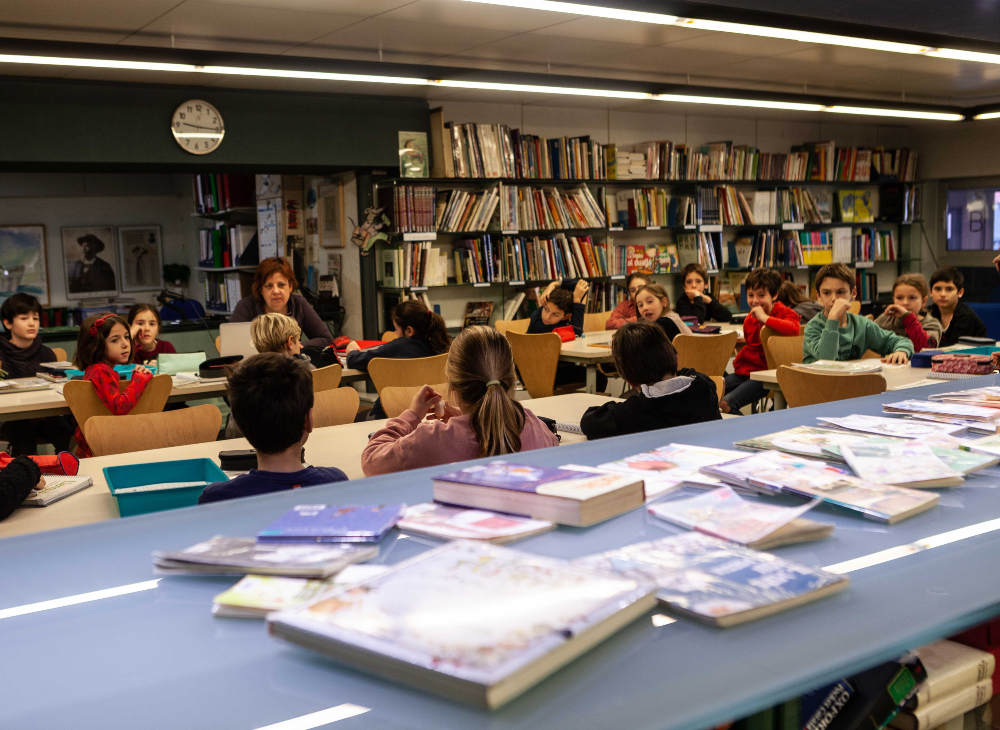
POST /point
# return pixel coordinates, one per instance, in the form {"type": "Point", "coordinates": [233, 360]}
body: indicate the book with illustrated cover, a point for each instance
{"type": "Point", "coordinates": [943, 408]}
{"type": "Point", "coordinates": [972, 426]}
{"type": "Point", "coordinates": [723, 514]}
{"type": "Point", "coordinates": [346, 523]}
{"type": "Point", "coordinates": [898, 427]}
{"type": "Point", "coordinates": [988, 445]}
{"type": "Point", "coordinates": [717, 581]}
{"type": "Point", "coordinates": [803, 441]}
{"type": "Point", "coordinates": [776, 473]}
{"type": "Point", "coordinates": [244, 555]}
{"type": "Point", "coordinates": [669, 467]}
{"type": "Point", "coordinates": [871, 365]}
{"type": "Point", "coordinates": [569, 496]}
{"type": "Point", "coordinates": [472, 621]}
{"type": "Point", "coordinates": [457, 523]}
{"type": "Point", "coordinates": [946, 448]}
{"type": "Point", "coordinates": [989, 394]}
{"type": "Point", "coordinates": [908, 463]}
{"type": "Point", "coordinates": [56, 487]}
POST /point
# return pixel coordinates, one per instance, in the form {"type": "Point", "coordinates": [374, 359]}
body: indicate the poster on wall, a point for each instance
{"type": "Point", "coordinates": [331, 216]}
{"type": "Point", "coordinates": [140, 257]}
{"type": "Point", "coordinates": [413, 155]}
{"type": "Point", "coordinates": [89, 261]}
{"type": "Point", "coordinates": [22, 262]}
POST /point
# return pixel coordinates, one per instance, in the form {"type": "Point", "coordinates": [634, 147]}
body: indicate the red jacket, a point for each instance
{"type": "Point", "coordinates": [118, 401]}
{"type": "Point", "coordinates": [782, 320]}
{"type": "Point", "coordinates": [624, 312]}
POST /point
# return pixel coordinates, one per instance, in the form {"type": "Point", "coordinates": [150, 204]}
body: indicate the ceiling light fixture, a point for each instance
{"type": "Point", "coordinates": [900, 113]}
{"type": "Point", "coordinates": [987, 115]}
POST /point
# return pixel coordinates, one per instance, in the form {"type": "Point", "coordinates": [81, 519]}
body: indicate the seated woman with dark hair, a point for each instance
{"type": "Point", "coordinates": [273, 285]}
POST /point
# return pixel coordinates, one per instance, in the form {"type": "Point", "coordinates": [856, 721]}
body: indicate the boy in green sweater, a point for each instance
{"type": "Point", "coordinates": [836, 334]}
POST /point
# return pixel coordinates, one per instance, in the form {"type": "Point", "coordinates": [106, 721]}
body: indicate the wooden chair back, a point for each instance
{"type": "Point", "coordinates": [84, 404]}
{"type": "Point", "coordinates": [335, 407]}
{"type": "Point", "coordinates": [395, 400]}
{"type": "Point", "coordinates": [720, 385]}
{"type": "Point", "coordinates": [327, 378]}
{"type": "Point", "coordinates": [60, 353]}
{"type": "Point", "coordinates": [802, 388]}
{"type": "Point", "coordinates": [389, 336]}
{"type": "Point", "coordinates": [596, 322]}
{"type": "Point", "coordinates": [708, 354]}
{"type": "Point", "coordinates": [218, 344]}
{"type": "Point", "coordinates": [871, 354]}
{"type": "Point", "coordinates": [109, 435]}
{"type": "Point", "coordinates": [855, 307]}
{"type": "Point", "coordinates": [536, 358]}
{"type": "Point", "coordinates": [512, 325]}
{"type": "Point", "coordinates": [387, 371]}
{"type": "Point", "coordinates": [780, 350]}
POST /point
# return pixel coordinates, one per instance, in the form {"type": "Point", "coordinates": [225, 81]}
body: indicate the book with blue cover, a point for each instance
{"type": "Point", "coordinates": [345, 523]}
{"type": "Point", "coordinates": [716, 581]}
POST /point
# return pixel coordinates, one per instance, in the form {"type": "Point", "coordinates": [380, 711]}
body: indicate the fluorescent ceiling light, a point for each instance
{"type": "Point", "coordinates": [97, 63]}
{"type": "Point", "coordinates": [755, 103]}
{"type": "Point", "coordinates": [904, 113]}
{"type": "Point", "coordinates": [987, 115]}
{"type": "Point", "coordinates": [571, 91]}
{"type": "Point", "coordinates": [745, 29]}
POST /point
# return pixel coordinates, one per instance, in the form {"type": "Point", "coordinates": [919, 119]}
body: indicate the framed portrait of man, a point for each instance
{"type": "Point", "coordinates": [90, 262]}
{"type": "Point", "coordinates": [140, 257]}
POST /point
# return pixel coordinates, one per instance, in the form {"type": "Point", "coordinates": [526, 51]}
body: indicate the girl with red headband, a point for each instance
{"type": "Point", "coordinates": [104, 342]}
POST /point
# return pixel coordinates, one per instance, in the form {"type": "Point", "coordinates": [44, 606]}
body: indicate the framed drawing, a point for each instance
{"type": "Point", "coordinates": [331, 215]}
{"type": "Point", "coordinates": [89, 261]}
{"type": "Point", "coordinates": [140, 258]}
{"type": "Point", "coordinates": [23, 265]}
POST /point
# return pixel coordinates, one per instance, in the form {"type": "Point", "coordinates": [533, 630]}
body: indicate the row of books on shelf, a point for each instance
{"type": "Point", "coordinates": [227, 245]}
{"type": "Point", "coordinates": [867, 285]}
{"type": "Point", "coordinates": [215, 192]}
{"type": "Point", "coordinates": [670, 258]}
{"type": "Point", "coordinates": [644, 207]}
{"type": "Point", "coordinates": [224, 290]}
{"type": "Point", "coordinates": [535, 209]}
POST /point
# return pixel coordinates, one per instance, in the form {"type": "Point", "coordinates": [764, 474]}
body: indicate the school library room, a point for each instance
{"type": "Point", "coordinates": [500, 364]}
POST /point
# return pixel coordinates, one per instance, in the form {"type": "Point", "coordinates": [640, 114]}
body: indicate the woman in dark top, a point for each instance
{"type": "Point", "coordinates": [273, 285]}
{"type": "Point", "coordinates": [695, 302]}
{"type": "Point", "coordinates": [419, 333]}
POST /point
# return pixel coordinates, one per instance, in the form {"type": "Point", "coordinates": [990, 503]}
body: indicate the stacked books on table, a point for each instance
{"type": "Point", "coordinates": [322, 524]}
{"type": "Point", "coordinates": [900, 428]}
{"type": "Point", "coordinates": [670, 467]}
{"type": "Point", "coordinates": [838, 367]}
{"type": "Point", "coordinates": [22, 385]}
{"type": "Point", "coordinates": [457, 523]}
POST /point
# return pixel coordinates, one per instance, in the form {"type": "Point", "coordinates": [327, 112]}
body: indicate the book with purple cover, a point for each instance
{"type": "Point", "coordinates": [346, 523]}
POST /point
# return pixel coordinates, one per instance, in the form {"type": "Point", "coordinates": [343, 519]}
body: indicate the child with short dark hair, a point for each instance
{"type": "Point", "coordinates": [144, 326]}
{"type": "Point", "coordinates": [271, 399]}
{"type": "Point", "coordinates": [668, 397]}
{"type": "Point", "coordinates": [907, 316]}
{"type": "Point", "coordinates": [559, 307]}
{"type": "Point", "coordinates": [765, 311]}
{"type": "Point", "coordinates": [696, 301]}
{"type": "Point", "coordinates": [836, 334]}
{"type": "Point", "coordinates": [104, 342]}
{"type": "Point", "coordinates": [956, 317]}
{"type": "Point", "coordinates": [21, 352]}
{"type": "Point", "coordinates": [791, 296]}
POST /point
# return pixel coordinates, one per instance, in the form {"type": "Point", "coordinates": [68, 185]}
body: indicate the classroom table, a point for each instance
{"type": "Point", "coordinates": [151, 655]}
{"type": "Point", "coordinates": [50, 402]}
{"type": "Point", "coordinates": [338, 446]}
{"type": "Point", "coordinates": [897, 377]}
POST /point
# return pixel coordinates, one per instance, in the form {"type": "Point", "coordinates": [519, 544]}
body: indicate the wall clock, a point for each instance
{"type": "Point", "coordinates": [197, 127]}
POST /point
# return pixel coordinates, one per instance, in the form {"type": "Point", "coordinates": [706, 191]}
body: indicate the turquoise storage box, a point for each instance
{"type": "Point", "coordinates": [161, 472]}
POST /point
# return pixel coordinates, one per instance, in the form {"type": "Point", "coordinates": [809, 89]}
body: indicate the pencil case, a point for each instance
{"type": "Point", "coordinates": [965, 364]}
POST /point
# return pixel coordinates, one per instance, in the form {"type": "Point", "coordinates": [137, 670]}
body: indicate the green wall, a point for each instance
{"type": "Point", "coordinates": [92, 126]}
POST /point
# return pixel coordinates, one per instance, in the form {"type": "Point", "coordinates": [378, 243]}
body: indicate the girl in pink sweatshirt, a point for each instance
{"type": "Point", "coordinates": [487, 422]}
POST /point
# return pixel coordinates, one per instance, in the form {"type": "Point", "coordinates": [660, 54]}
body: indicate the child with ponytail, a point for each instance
{"type": "Point", "coordinates": [487, 420]}
{"type": "Point", "coordinates": [104, 342]}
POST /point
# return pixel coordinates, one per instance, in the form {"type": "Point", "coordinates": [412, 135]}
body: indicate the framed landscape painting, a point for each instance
{"type": "Point", "coordinates": [23, 266]}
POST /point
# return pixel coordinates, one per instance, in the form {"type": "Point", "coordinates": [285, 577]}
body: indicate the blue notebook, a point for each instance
{"type": "Point", "coordinates": [346, 523]}
{"type": "Point", "coordinates": [519, 477]}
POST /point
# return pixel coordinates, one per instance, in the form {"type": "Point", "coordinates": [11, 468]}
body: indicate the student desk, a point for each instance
{"type": "Point", "coordinates": [157, 659]}
{"type": "Point", "coordinates": [338, 446]}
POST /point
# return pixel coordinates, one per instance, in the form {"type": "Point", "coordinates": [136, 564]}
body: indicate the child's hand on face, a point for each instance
{"type": "Point", "coordinates": [760, 314]}
{"type": "Point", "coordinates": [896, 358]}
{"type": "Point", "coordinates": [134, 330]}
{"type": "Point", "coordinates": [544, 296]}
{"type": "Point", "coordinates": [839, 310]}
{"type": "Point", "coordinates": [425, 399]}
{"type": "Point", "coordinates": [894, 310]}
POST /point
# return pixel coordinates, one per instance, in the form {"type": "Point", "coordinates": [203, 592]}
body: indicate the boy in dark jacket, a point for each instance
{"type": "Point", "coordinates": [956, 317]}
{"type": "Point", "coordinates": [646, 360]}
{"type": "Point", "coordinates": [560, 307]}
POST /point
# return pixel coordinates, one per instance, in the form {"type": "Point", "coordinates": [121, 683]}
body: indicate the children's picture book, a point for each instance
{"type": "Point", "coordinates": [670, 467]}
{"type": "Point", "coordinates": [716, 581]}
{"type": "Point", "coordinates": [775, 473]}
{"type": "Point", "coordinates": [972, 426]}
{"type": "Point", "coordinates": [947, 449]}
{"type": "Point", "coordinates": [898, 427]}
{"type": "Point", "coordinates": [907, 463]}
{"type": "Point", "coordinates": [567, 495]}
{"type": "Point", "coordinates": [943, 408]}
{"type": "Point", "coordinates": [469, 620]}
{"type": "Point", "coordinates": [803, 441]}
{"type": "Point", "coordinates": [989, 394]}
{"type": "Point", "coordinates": [457, 523]}
{"type": "Point", "coordinates": [242, 555]}
{"type": "Point", "coordinates": [989, 445]}
{"type": "Point", "coordinates": [477, 313]}
{"type": "Point", "coordinates": [320, 523]}
{"type": "Point", "coordinates": [837, 366]}
{"type": "Point", "coordinates": [56, 487]}
{"type": "Point", "coordinates": [723, 514]}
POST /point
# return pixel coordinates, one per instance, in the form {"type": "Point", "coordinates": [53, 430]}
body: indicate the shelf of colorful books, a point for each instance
{"type": "Point", "coordinates": [505, 283]}
{"type": "Point", "coordinates": [638, 181]}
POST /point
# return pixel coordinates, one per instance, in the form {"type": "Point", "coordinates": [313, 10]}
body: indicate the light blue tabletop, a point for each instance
{"type": "Point", "coordinates": [158, 659]}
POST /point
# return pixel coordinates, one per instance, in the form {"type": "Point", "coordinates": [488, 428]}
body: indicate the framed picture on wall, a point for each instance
{"type": "Point", "coordinates": [89, 261]}
{"type": "Point", "coordinates": [140, 257]}
{"type": "Point", "coordinates": [23, 266]}
{"type": "Point", "coordinates": [331, 215]}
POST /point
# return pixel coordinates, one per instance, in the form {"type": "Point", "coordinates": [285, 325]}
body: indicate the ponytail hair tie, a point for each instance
{"type": "Point", "coordinates": [430, 314]}
{"type": "Point", "coordinates": [97, 325]}
{"type": "Point", "coordinates": [493, 382]}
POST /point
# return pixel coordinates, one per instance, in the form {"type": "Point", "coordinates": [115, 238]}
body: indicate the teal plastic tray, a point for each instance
{"type": "Point", "coordinates": [139, 475]}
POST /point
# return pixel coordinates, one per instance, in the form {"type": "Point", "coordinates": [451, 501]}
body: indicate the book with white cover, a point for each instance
{"type": "Point", "coordinates": [948, 449]}
{"type": "Point", "coordinates": [988, 445]}
{"type": "Point", "coordinates": [898, 427]}
{"type": "Point", "coordinates": [458, 523]}
{"type": "Point", "coordinates": [943, 408]}
{"type": "Point", "coordinates": [989, 394]}
{"type": "Point", "coordinates": [937, 713]}
{"type": "Point", "coordinates": [906, 463]}
{"type": "Point", "coordinates": [972, 426]}
{"type": "Point", "coordinates": [950, 667]}
{"type": "Point", "coordinates": [56, 487]}
{"type": "Point", "coordinates": [473, 621]}
{"type": "Point", "coordinates": [803, 441]}
{"type": "Point", "coordinates": [723, 514]}
{"type": "Point", "coordinates": [669, 467]}
{"type": "Point", "coordinates": [848, 367]}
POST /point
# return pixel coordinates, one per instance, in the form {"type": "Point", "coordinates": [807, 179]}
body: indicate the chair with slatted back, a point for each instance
{"type": "Point", "coordinates": [389, 336]}
{"type": "Point", "coordinates": [504, 326]}
{"type": "Point", "coordinates": [395, 399]}
{"type": "Point", "coordinates": [335, 407]}
{"type": "Point", "coordinates": [59, 353]}
{"type": "Point", "coordinates": [708, 354]}
{"type": "Point", "coordinates": [803, 388]}
{"type": "Point", "coordinates": [386, 371]}
{"type": "Point", "coordinates": [109, 435]}
{"type": "Point", "coordinates": [327, 378]}
{"type": "Point", "coordinates": [596, 321]}
{"type": "Point", "coordinates": [536, 358]}
{"type": "Point", "coordinates": [84, 404]}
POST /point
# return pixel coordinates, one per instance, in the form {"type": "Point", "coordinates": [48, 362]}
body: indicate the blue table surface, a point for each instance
{"type": "Point", "coordinates": [158, 659]}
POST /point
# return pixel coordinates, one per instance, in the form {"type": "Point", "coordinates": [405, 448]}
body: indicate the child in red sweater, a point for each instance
{"type": "Point", "coordinates": [762, 287]}
{"type": "Point", "coordinates": [144, 325]}
{"type": "Point", "coordinates": [104, 342]}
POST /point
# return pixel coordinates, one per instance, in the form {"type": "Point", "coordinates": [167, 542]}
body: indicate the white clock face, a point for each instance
{"type": "Point", "coordinates": [197, 126]}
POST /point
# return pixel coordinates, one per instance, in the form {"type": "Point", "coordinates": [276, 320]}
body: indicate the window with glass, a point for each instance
{"type": "Point", "coordinates": [973, 220]}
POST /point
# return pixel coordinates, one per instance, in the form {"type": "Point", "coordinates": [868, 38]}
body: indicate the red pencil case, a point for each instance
{"type": "Point", "coordinates": [566, 334]}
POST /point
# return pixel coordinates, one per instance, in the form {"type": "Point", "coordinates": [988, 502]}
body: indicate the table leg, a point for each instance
{"type": "Point", "coordinates": [779, 400]}
{"type": "Point", "coordinates": [591, 378]}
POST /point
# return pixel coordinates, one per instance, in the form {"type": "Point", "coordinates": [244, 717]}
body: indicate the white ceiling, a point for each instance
{"type": "Point", "coordinates": [456, 33]}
